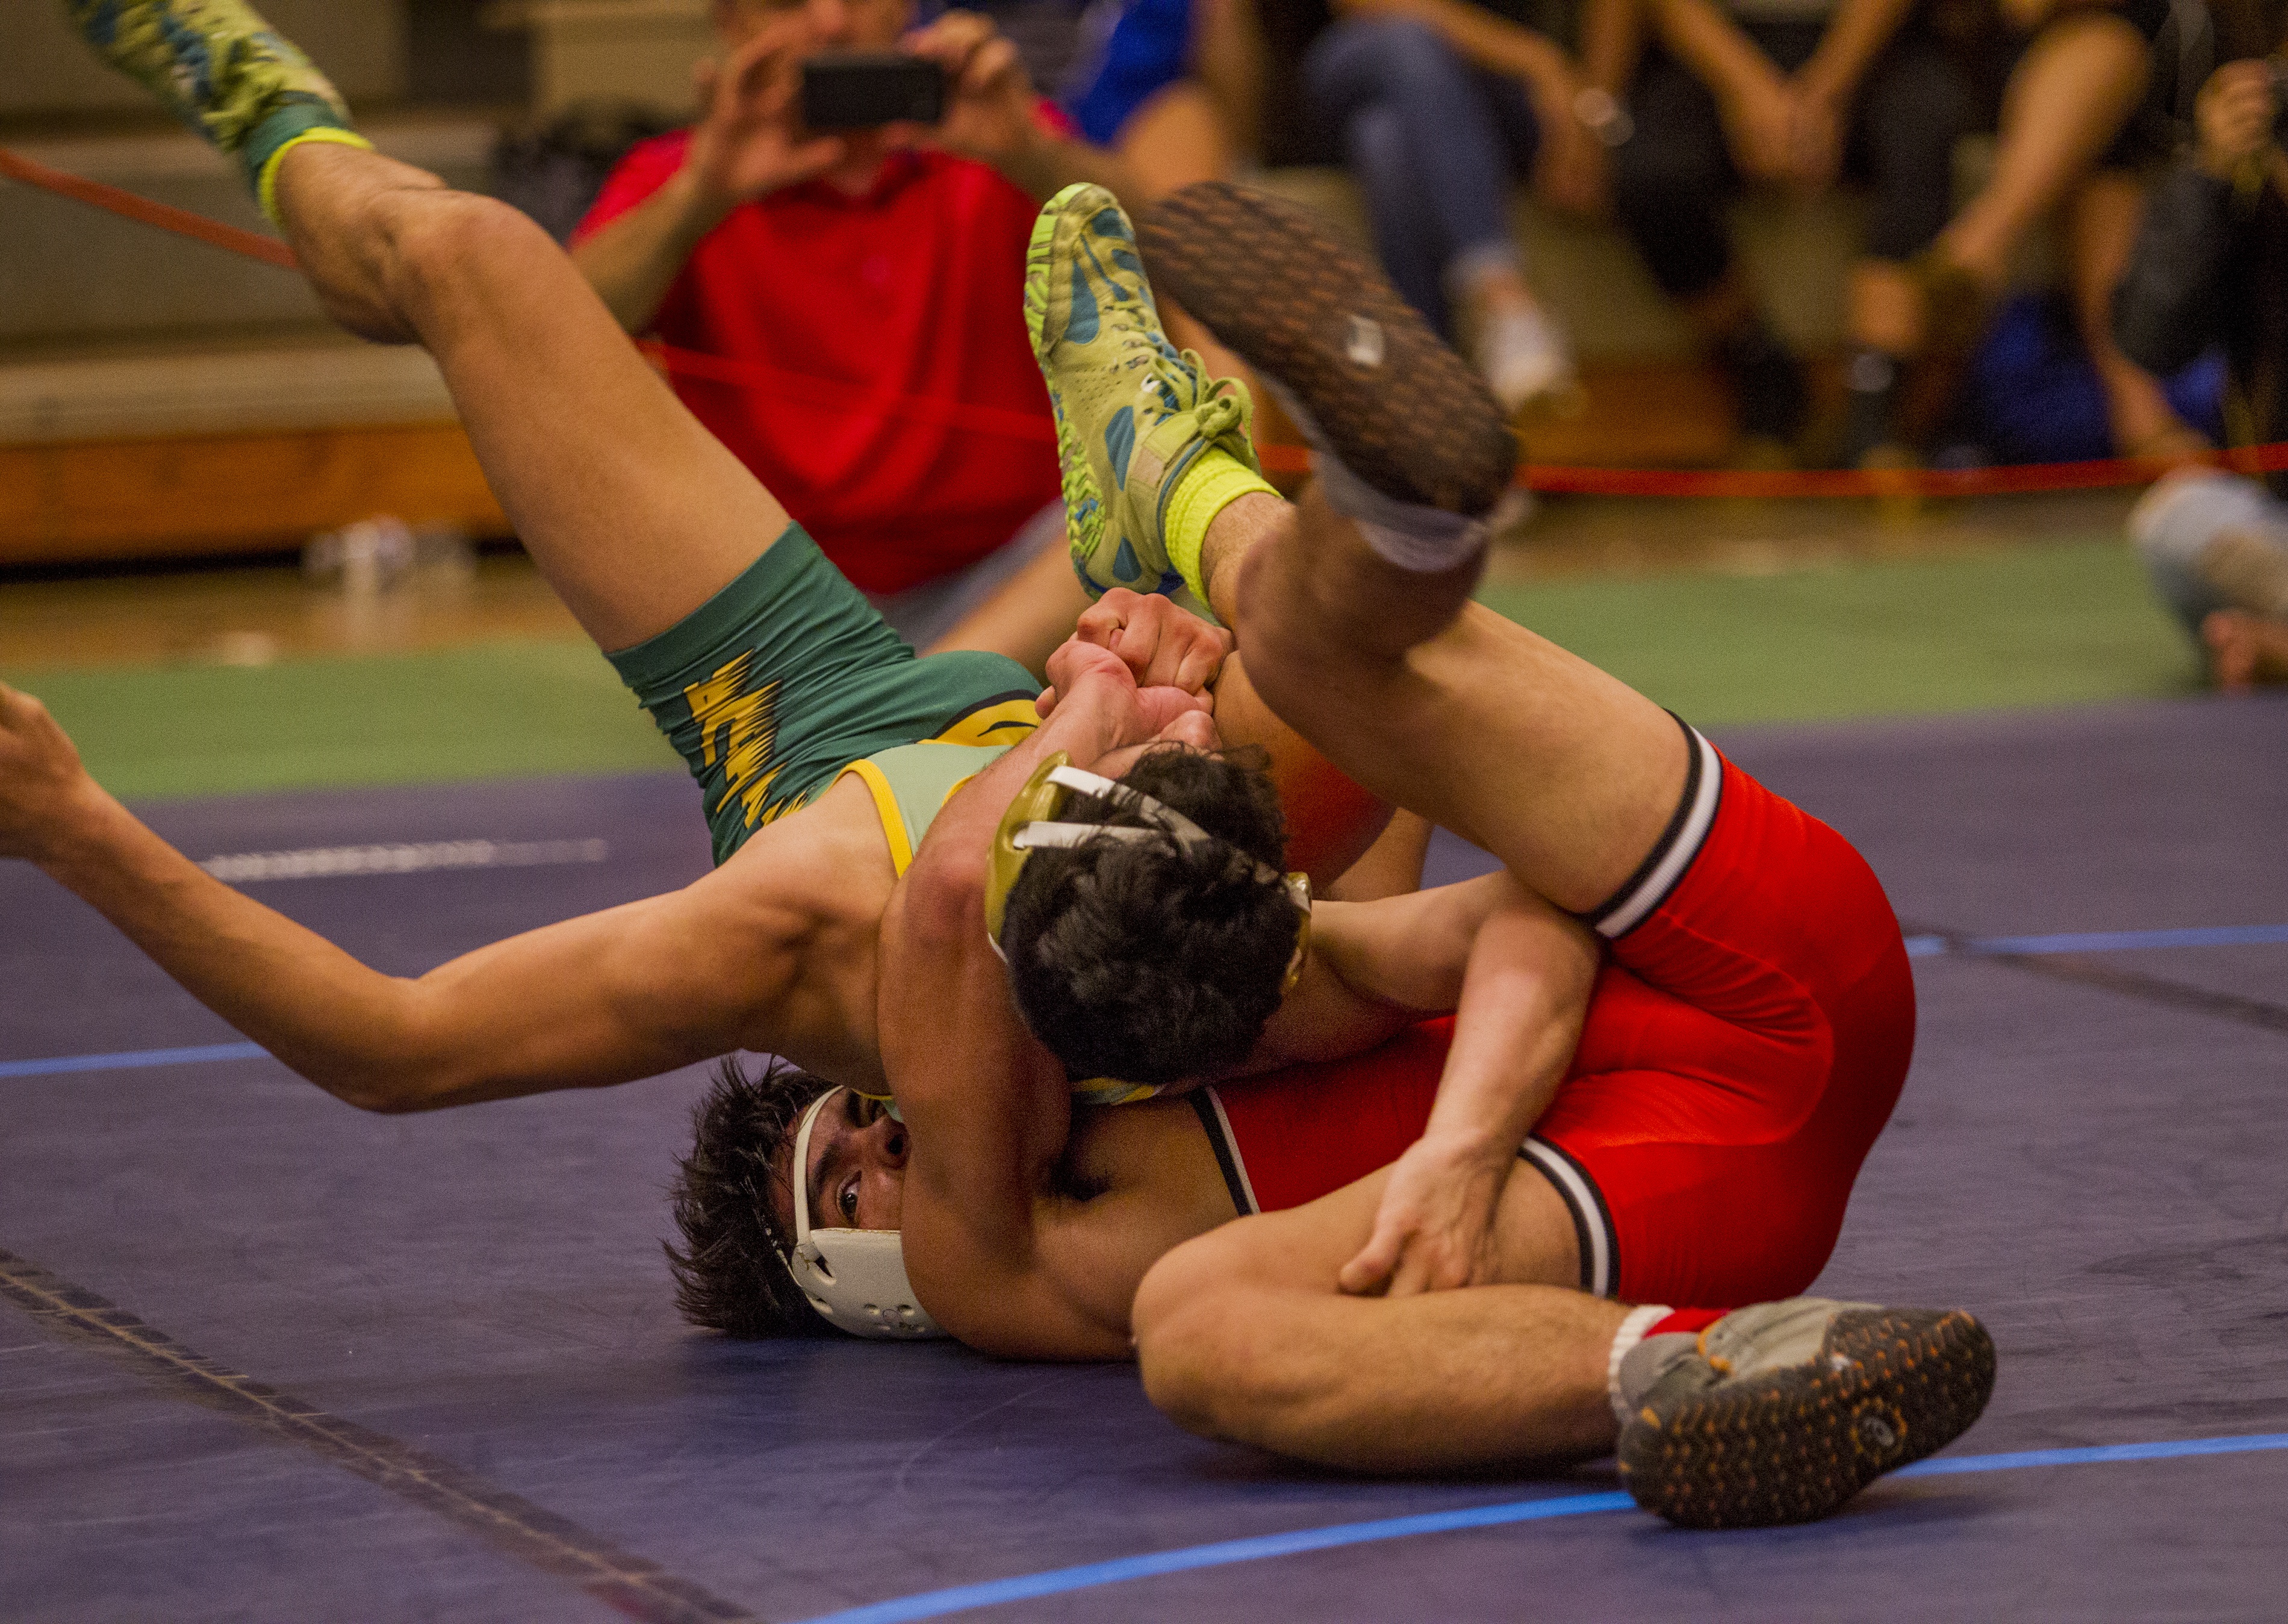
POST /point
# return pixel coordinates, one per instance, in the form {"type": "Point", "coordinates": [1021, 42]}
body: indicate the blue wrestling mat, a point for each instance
{"type": "Point", "coordinates": [265, 1357]}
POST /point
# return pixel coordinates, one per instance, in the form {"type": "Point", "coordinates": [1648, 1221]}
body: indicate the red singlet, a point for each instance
{"type": "Point", "coordinates": [1745, 1045]}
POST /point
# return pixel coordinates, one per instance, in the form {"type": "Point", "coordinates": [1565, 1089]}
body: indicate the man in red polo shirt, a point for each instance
{"type": "Point", "coordinates": [788, 259]}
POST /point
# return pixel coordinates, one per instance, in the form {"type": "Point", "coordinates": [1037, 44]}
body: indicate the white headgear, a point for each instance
{"type": "Point", "coordinates": [855, 1277]}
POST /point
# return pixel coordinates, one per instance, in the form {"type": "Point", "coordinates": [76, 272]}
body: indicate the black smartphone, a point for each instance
{"type": "Point", "coordinates": [858, 90]}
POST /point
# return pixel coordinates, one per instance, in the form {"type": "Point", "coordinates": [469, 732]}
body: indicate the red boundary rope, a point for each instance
{"type": "Point", "coordinates": [166, 216]}
{"type": "Point", "coordinates": [831, 395]}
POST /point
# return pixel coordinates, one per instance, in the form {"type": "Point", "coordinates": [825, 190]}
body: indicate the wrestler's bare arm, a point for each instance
{"type": "Point", "coordinates": [999, 1256]}
{"type": "Point", "coordinates": [1524, 996]}
{"type": "Point", "coordinates": [1376, 967]}
{"type": "Point", "coordinates": [604, 999]}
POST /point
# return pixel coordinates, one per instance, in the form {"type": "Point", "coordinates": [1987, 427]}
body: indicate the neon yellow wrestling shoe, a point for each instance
{"type": "Point", "coordinates": [1135, 416]}
{"type": "Point", "coordinates": [223, 71]}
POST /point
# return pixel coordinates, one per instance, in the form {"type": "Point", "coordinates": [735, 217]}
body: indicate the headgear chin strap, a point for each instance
{"type": "Point", "coordinates": [855, 1277]}
{"type": "Point", "coordinates": [1032, 821]}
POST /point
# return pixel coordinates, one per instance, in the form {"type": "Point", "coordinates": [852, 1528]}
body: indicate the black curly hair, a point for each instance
{"type": "Point", "coordinates": [731, 1274]}
{"type": "Point", "coordinates": [1152, 961]}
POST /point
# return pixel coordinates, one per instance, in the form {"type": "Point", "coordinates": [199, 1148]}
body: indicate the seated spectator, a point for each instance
{"type": "Point", "coordinates": [1169, 87]}
{"type": "Point", "coordinates": [2082, 95]}
{"type": "Point", "coordinates": [877, 280]}
{"type": "Point", "coordinates": [2211, 267]}
{"type": "Point", "coordinates": [1794, 93]}
{"type": "Point", "coordinates": [1436, 106]}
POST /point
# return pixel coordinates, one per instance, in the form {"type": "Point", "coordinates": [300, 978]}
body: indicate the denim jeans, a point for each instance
{"type": "Point", "coordinates": [1432, 141]}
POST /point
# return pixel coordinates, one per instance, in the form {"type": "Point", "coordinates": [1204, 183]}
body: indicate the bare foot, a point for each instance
{"type": "Point", "coordinates": [2245, 649]}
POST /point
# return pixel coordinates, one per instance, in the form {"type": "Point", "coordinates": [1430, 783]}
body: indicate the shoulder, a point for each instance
{"type": "Point", "coordinates": [829, 857]}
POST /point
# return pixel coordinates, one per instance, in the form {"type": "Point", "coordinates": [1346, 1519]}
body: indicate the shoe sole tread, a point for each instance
{"type": "Point", "coordinates": [1891, 1386]}
{"type": "Point", "coordinates": [1272, 282]}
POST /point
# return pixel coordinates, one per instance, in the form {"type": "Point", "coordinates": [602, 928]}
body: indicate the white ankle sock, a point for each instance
{"type": "Point", "coordinates": [1632, 1331]}
{"type": "Point", "coordinates": [1426, 540]}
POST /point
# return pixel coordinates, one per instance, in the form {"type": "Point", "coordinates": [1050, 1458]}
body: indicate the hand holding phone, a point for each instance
{"type": "Point", "coordinates": [990, 104]}
{"type": "Point", "coordinates": [749, 139]}
{"type": "Point", "coordinates": [862, 90]}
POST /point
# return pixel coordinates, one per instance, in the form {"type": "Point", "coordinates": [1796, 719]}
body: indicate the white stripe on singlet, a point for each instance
{"type": "Point", "coordinates": [1680, 845]}
{"type": "Point", "coordinates": [1599, 1249]}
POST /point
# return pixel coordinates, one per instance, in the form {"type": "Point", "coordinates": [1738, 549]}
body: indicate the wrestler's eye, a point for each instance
{"type": "Point", "coordinates": [849, 1202]}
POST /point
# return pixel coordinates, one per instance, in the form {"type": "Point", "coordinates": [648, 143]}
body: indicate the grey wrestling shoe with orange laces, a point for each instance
{"type": "Point", "coordinates": [1369, 381]}
{"type": "Point", "coordinates": [1782, 1412]}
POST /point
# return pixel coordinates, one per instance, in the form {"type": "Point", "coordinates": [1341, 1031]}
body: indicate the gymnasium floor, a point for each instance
{"type": "Point", "coordinates": [266, 1357]}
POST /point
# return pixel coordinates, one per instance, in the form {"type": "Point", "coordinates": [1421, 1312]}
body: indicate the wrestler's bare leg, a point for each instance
{"type": "Point", "coordinates": [1243, 1333]}
{"type": "Point", "coordinates": [636, 513]}
{"type": "Point", "coordinates": [1441, 706]}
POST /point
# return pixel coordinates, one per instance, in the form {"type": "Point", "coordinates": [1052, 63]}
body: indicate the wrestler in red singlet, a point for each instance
{"type": "Point", "coordinates": [1745, 1042]}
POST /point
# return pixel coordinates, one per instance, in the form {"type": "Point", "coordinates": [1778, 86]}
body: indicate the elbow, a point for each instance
{"type": "Point", "coordinates": [1195, 1343]}
{"type": "Point", "coordinates": [382, 1093]}
{"type": "Point", "coordinates": [396, 1077]}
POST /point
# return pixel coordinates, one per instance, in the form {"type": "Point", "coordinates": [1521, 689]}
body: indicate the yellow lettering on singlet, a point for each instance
{"type": "Point", "coordinates": [738, 722]}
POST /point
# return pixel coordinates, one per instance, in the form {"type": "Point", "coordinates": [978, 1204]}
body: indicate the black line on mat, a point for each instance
{"type": "Point", "coordinates": [2085, 970]}
{"type": "Point", "coordinates": [632, 1585]}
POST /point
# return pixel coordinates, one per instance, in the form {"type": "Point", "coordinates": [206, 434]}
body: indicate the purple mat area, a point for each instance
{"type": "Point", "coordinates": [2098, 1174]}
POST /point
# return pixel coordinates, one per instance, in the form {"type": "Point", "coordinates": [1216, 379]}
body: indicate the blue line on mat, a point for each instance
{"type": "Point", "coordinates": [1029, 1587]}
{"type": "Point", "coordinates": [2100, 941]}
{"type": "Point", "coordinates": [133, 1058]}
{"type": "Point", "coordinates": [2095, 1454]}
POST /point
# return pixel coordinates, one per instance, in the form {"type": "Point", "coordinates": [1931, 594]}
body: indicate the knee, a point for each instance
{"type": "Point", "coordinates": [2175, 521]}
{"type": "Point", "coordinates": [2092, 47]}
{"type": "Point", "coordinates": [1374, 140]}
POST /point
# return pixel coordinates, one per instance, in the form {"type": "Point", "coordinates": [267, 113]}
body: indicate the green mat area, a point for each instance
{"type": "Point", "coordinates": [2049, 624]}
{"type": "Point", "coordinates": [491, 710]}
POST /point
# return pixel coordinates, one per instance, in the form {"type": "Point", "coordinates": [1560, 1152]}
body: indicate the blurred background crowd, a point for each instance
{"type": "Point", "coordinates": [1820, 234]}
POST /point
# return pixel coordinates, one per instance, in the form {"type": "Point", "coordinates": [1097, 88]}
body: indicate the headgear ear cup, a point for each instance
{"type": "Point", "coordinates": [1036, 802]}
{"type": "Point", "coordinates": [855, 1277]}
